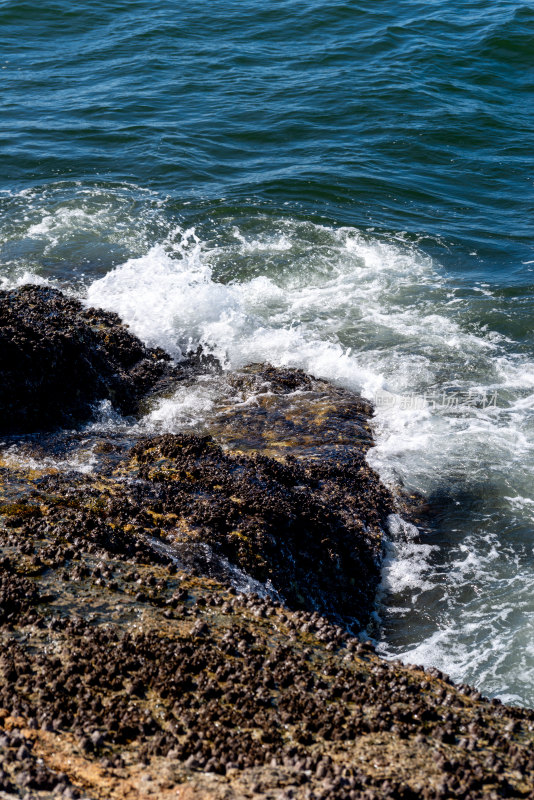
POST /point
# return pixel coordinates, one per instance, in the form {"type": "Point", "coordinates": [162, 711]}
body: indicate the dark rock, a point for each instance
{"type": "Point", "coordinates": [58, 358]}
{"type": "Point", "coordinates": [17, 594]}
{"type": "Point", "coordinates": [179, 678]}
{"type": "Point", "coordinates": [23, 753]}
{"type": "Point", "coordinates": [312, 528]}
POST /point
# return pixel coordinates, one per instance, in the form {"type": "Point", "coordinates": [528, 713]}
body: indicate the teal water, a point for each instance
{"type": "Point", "coordinates": [345, 187]}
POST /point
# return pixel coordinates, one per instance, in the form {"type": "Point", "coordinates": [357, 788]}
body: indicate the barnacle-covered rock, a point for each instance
{"type": "Point", "coordinates": [132, 666]}
{"type": "Point", "coordinates": [311, 528]}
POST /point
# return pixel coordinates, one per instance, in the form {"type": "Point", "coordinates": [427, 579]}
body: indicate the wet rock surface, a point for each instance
{"type": "Point", "coordinates": [280, 412]}
{"type": "Point", "coordinates": [58, 358]}
{"type": "Point", "coordinates": [123, 675]}
{"type": "Point", "coordinates": [130, 667]}
{"type": "Point", "coordinates": [310, 528]}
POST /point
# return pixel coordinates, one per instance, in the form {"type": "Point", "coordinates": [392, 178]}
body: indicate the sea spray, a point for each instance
{"type": "Point", "coordinates": [453, 406]}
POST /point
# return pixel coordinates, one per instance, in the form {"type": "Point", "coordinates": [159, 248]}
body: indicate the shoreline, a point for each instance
{"type": "Point", "coordinates": [136, 667]}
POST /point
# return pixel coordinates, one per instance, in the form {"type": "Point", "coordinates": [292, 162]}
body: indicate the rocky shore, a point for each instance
{"type": "Point", "coordinates": [58, 358]}
{"type": "Point", "coordinates": [180, 619]}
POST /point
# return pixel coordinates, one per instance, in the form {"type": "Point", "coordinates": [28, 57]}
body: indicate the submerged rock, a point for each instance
{"type": "Point", "coordinates": [58, 358]}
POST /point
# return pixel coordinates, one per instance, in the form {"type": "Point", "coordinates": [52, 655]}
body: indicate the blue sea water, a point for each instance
{"type": "Point", "coordinates": [346, 187]}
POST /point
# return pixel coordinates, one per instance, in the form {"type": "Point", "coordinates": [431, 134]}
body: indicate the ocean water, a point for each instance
{"type": "Point", "coordinates": [345, 187]}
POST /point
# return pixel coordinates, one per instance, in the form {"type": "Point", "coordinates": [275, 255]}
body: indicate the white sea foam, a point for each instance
{"type": "Point", "coordinates": [406, 561]}
{"type": "Point", "coordinates": [454, 401]}
{"type": "Point", "coordinates": [372, 316]}
{"type": "Point", "coordinates": [60, 230]}
{"type": "Point", "coordinates": [187, 408]}
{"type": "Point", "coordinates": [23, 277]}
{"type": "Point", "coordinates": [83, 460]}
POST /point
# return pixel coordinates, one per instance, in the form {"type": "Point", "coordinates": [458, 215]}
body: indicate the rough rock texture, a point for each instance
{"type": "Point", "coordinates": [311, 528]}
{"type": "Point", "coordinates": [125, 676]}
{"type": "Point", "coordinates": [308, 527]}
{"type": "Point", "coordinates": [121, 677]}
{"type": "Point", "coordinates": [58, 358]}
{"type": "Point", "coordinates": [285, 412]}
{"type": "Point", "coordinates": [130, 667]}
{"type": "Point", "coordinates": [307, 519]}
